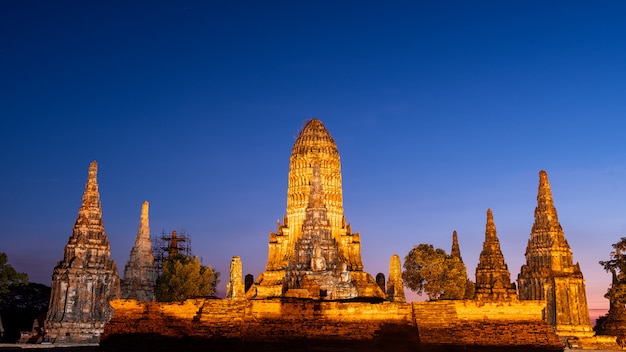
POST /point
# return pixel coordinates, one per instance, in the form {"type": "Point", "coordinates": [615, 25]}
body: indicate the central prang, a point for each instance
{"type": "Point", "coordinates": [313, 253]}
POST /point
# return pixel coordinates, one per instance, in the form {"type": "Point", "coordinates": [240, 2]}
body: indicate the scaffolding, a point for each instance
{"type": "Point", "coordinates": [170, 243]}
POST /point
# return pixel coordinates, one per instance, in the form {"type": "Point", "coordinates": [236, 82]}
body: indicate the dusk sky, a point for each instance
{"type": "Point", "coordinates": [440, 110]}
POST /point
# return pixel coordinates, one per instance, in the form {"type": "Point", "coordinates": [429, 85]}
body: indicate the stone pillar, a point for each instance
{"type": "Point", "coordinates": [380, 280]}
{"type": "Point", "coordinates": [248, 281]}
{"type": "Point", "coordinates": [140, 272]}
{"type": "Point", "coordinates": [395, 287]}
{"type": "Point", "coordinates": [234, 287]}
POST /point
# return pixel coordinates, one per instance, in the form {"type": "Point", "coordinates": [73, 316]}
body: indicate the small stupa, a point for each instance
{"type": "Point", "coordinates": [493, 279]}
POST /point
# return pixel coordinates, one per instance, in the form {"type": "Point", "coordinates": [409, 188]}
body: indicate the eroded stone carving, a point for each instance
{"type": "Point", "coordinates": [86, 279]}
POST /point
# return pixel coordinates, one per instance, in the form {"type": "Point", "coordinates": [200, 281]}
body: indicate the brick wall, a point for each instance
{"type": "Point", "coordinates": [272, 321]}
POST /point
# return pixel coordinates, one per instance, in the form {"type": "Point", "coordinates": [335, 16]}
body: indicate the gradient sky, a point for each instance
{"type": "Point", "coordinates": [440, 110]}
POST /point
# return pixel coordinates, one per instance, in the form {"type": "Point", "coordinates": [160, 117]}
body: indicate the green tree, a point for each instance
{"type": "Point", "coordinates": [616, 265]}
{"type": "Point", "coordinates": [184, 278]}
{"type": "Point", "coordinates": [9, 276]}
{"type": "Point", "coordinates": [430, 270]}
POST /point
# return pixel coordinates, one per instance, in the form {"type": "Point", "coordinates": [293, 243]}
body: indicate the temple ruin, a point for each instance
{"type": "Point", "coordinates": [235, 284]}
{"type": "Point", "coordinates": [140, 272]}
{"type": "Point", "coordinates": [395, 286]}
{"type": "Point", "coordinates": [314, 253]}
{"type": "Point", "coordinates": [493, 279]}
{"type": "Point", "coordinates": [314, 290]}
{"type": "Point", "coordinates": [550, 274]}
{"type": "Point", "coordinates": [86, 279]}
{"type": "Point", "coordinates": [455, 251]}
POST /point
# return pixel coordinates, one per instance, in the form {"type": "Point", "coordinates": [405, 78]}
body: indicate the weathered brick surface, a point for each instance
{"type": "Point", "coordinates": [271, 321]}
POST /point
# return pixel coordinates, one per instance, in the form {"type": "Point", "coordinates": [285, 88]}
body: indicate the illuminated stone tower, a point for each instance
{"type": "Point", "coordinates": [395, 286]}
{"type": "Point", "coordinates": [315, 207]}
{"type": "Point", "coordinates": [550, 274]}
{"type": "Point", "coordinates": [493, 279]}
{"type": "Point", "coordinates": [140, 272]}
{"type": "Point", "coordinates": [86, 279]}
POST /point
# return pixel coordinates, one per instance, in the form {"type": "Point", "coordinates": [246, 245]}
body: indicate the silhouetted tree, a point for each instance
{"type": "Point", "coordinates": [616, 265]}
{"type": "Point", "coordinates": [430, 270]}
{"type": "Point", "coordinates": [9, 276]}
{"type": "Point", "coordinates": [184, 278]}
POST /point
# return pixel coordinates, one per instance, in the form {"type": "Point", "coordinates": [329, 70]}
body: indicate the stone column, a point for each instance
{"type": "Point", "coordinates": [234, 287]}
{"type": "Point", "coordinates": [395, 288]}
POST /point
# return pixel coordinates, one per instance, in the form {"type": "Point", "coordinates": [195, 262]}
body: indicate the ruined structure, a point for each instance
{"type": "Point", "coordinates": [550, 274]}
{"type": "Point", "coordinates": [248, 281]}
{"type": "Point", "coordinates": [286, 324]}
{"type": "Point", "coordinates": [86, 279]}
{"type": "Point", "coordinates": [314, 253]}
{"type": "Point", "coordinates": [455, 251]}
{"type": "Point", "coordinates": [395, 287]}
{"type": "Point", "coordinates": [140, 272]}
{"type": "Point", "coordinates": [380, 280]}
{"type": "Point", "coordinates": [234, 286]}
{"type": "Point", "coordinates": [615, 322]}
{"type": "Point", "coordinates": [493, 279]}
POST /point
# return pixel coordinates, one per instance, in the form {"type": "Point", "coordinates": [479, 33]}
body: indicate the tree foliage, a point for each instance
{"type": "Point", "coordinates": [430, 270]}
{"type": "Point", "coordinates": [9, 276]}
{"type": "Point", "coordinates": [184, 277]}
{"type": "Point", "coordinates": [616, 265]}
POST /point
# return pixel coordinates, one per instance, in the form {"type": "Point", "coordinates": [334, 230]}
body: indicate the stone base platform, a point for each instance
{"type": "Point", "coordinates": [292, 324]}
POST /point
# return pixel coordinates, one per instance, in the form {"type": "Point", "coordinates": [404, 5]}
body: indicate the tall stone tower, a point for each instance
{"type": "Point", "coordinates": [140, 272]}
{"type": "Point", "coordinates": [493, 279]}
{"type": "Point", "coordinates": [86, 279]}
{"type": "Point", "coordinates": [314, 228]}
{"type": "Point", "coordinates": [550, 274]}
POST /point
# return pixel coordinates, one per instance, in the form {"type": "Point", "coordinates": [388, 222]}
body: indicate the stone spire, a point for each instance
{"type": "Point", "coordinates": [140, 272]}
{"type": "Point", "coordinates": [493, 279]}
{"type": "Point", "coordinates": [234, 287]}
{"type": "Point", "coordinates": [86, 279]}
{"type": "Point", "coordinates": [314, 236]}
{"type": "Point", "coordinates": [456, 250]}
{"type": "Point", "coordinates": [395, 287]}
{"type": "Point", "coordinates": [550, 274]}
{"type": "Point", "coordinates": [314, 146]}
{"type": "Point", "coordinates": [317, 267]}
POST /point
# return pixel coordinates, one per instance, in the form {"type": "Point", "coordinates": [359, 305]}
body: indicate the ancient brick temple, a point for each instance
{"type": "Point", "coordinates": [493, 279]}
{"type": "Point", "coordinates": [314, 253]}
{"type": "Point", "coordinates": [140, 272]}
{"type": "Point", "coordinates": [86, 279]}
{"type": "Point", "coordinates": [550, 274]}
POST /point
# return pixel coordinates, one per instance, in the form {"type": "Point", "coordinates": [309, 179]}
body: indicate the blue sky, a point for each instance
{"type": "Point", "coordinates": [440, 110]}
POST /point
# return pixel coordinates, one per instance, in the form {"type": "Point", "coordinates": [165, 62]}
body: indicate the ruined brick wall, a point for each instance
{"type": "Point", "coordinates": [282, 320]}
{"type": "Point", "coordinates": [473, 323]}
